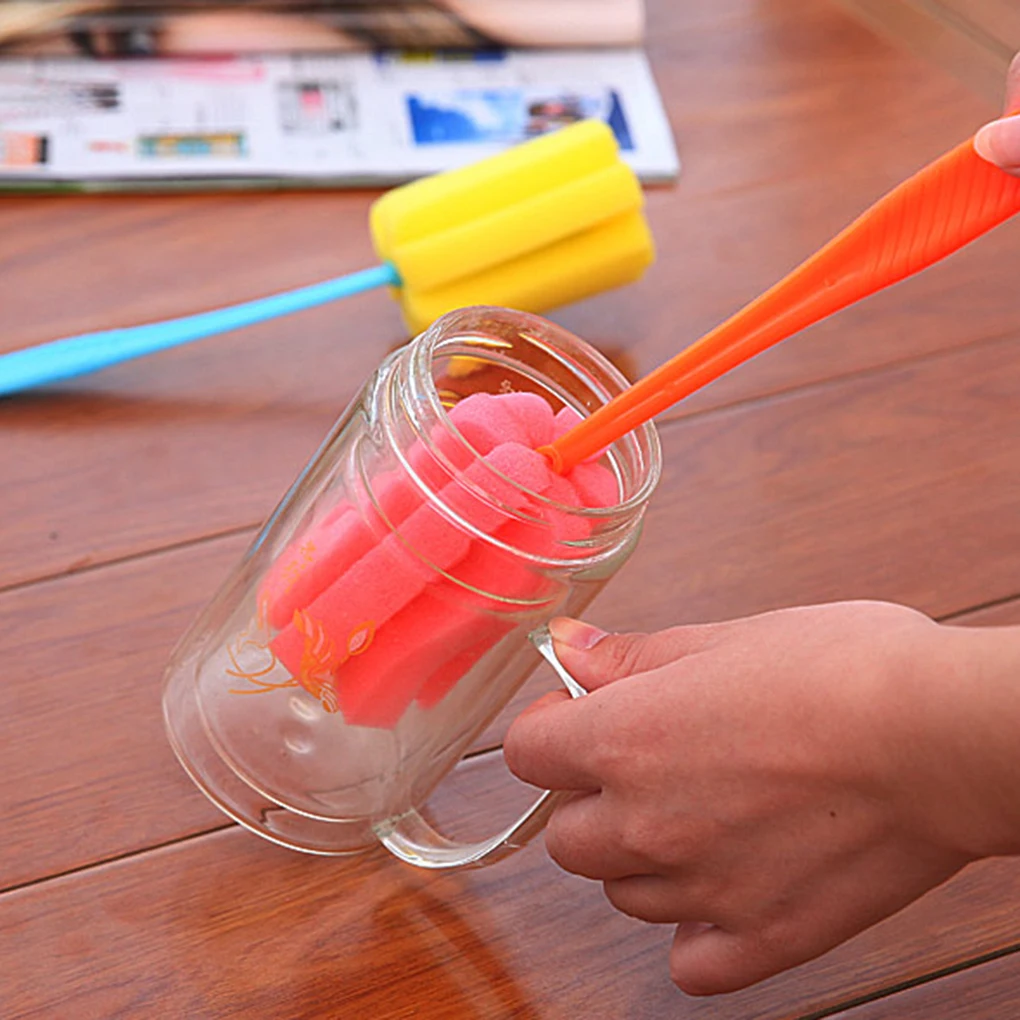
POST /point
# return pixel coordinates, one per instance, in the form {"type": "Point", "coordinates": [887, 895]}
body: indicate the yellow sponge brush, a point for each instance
{"type": "Point", "coordinates": [552, 221]}
{"type": "Point", "coordinates": [549, 222]}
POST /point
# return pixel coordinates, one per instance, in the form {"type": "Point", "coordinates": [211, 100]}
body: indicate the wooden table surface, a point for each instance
{"type": "Point", "coordinates": [876, 455]}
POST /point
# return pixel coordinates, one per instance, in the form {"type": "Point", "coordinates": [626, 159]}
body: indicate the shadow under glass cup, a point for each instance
{"type": "Point", "coordinates": [384, 614]}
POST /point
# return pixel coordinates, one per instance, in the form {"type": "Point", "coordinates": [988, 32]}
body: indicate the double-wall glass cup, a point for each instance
{"type": "Point", "coordinates": [388, 610]}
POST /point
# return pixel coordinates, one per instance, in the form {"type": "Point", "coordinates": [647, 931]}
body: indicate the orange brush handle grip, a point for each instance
{"type": "Point", "coordinates": [946, 205]}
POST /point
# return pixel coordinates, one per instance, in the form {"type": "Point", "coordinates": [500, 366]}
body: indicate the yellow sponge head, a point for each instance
{"type": "Point", "coordinates": [551, 221]}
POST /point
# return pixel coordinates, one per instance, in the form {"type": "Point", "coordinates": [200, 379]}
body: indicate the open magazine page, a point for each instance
{"type": "Point", "coordinates": [311, 119]}
{"type": "Point", "coordinates": [115, 28]}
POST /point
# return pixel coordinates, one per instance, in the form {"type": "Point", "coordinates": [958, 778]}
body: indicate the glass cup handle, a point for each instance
{"type": "Point", "coordinates": [415, 841]}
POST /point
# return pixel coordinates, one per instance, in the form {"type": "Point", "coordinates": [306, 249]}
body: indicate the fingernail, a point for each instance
{"type": "Point", "coordinates": [575, 634]}
{"type": "Point", "coordinates": [999, 142]}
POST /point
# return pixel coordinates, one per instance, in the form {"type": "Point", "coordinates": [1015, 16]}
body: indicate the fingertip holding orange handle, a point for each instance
{"type": "Point", "coordinates": [943, 207]}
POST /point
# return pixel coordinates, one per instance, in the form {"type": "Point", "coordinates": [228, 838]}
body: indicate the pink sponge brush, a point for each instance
{"type": "Point", "coordinates": [485, 420]}
{"type": "Point", "coordinates": [326, 550]}
{"type": "Point", "coordinates": [432, 642]}
{"type": "Point", "coordinates": [375, 689]}
{"type": "Point", "coordinates": [566, 420]}
{"type": "Point", "coordinates": [367, 621]}
{"type": "Point", "coordinates": [534, 415]}
{"type": "Point", "coordinates": [487, 619]}
{"type": "Point", "coordinates": [343, 620]}
{"type": "Point", "coordinates": [596, 485]}
{"type": "Point", "coordinates": [316, 558]}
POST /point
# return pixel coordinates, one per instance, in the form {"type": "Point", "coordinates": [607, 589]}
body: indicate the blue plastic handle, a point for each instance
{"type": "Point", "coordinates": [78, 355]}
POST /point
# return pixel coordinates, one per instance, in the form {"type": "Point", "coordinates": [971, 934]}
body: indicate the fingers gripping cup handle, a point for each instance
{"type": "Point", "coordinates": [416, 842]}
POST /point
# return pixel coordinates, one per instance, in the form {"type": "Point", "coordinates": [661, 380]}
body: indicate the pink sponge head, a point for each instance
{"type": "Point", "coordinates": [566, 418]}
{"type": "Point", "coordinates": [566, 526]}
{"type": "Point", "coordinates": [368, 622]}
{"type": "Point", "coordinates": [596, 485]}
{"type": "Point", "coordinates": [533, 414]}
{"type": "Point", "coordinates": [375, 689]}
{"type": "Point", "coordinates": [512, 471]}
{"type": "Point", "coordinates": [345, 618]}
{"type": "Point", "coordinates": [454, 668]}
{"type": "Point", "coordinates": [485, 421]}
{"type": "Point", "coordinates": [319, 555]}
{"type": "Point", "coordinates": [517, 588]}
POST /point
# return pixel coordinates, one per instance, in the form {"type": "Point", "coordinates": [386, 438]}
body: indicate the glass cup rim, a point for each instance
{"type": "Point", "coordinates": [648, 462]}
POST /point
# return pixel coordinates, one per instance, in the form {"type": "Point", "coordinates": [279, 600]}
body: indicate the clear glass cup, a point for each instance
{"type": "Point", "coordinates": [389, 608]}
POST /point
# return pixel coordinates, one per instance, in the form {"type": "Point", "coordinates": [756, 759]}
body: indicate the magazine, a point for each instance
{"type": "Point", "coordinates": [311, 119]}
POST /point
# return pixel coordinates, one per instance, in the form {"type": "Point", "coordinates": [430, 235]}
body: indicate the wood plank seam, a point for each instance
{"type": "Point", "coordinates": [493, 750]}
{"type": "Point", "coordinates": [820, 385]}
{"type": "Point", "coordinates": [481, 752]}
{"type": "Point", "coordinates": [990, 604]}
{"type": "Point", "coordinates": [963, 25]}
{"type": "Point", "coordinates": [946, 40]}
{"type": "Point", "coordinates": [117, 561]}
{"type": "Point", "coordinates": [669, 420]}
{"type": "Point", "coordinates": [903, 986]}
{"type": "Point", "coordinates": [115, 859]}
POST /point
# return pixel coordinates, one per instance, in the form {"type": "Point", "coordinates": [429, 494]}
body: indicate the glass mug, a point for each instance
{"type": "Point", "coordinates": [355, 652]}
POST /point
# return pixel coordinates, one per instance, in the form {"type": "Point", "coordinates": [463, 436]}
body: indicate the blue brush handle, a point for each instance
{"type": "Point", "coordinates": [77, 355]}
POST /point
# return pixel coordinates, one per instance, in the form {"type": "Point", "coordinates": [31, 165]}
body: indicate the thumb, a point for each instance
{"type": "Point", "coordinates": [705, 960]}
{"type": "Point", "coordinates": [595, 658]}
{"type": "Point", "coordinates": [999, 143]}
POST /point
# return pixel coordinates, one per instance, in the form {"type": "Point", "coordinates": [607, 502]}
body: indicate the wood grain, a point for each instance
{"type": "Point", "coordinates": [1003, 614]}
{"type": "Point", "coordinates": [898, 485]}
{"type": "Point", "coordinates": [230, 926]}
{"type": "Point", "coordinates": [986, 992]}
{"type": "Point", "coordinates": [871, 488]}
{"type": "Point", "coordinates": [88, 773]}
{"type": "Point", "coordinates": [945, 35]}
{"type": "Point", "coordinates": [203, 440]}
{"type": "Point", "coordinates": [973, 38]}
{"type": "Point", "coordinates": [227, 925]}
{"type": "Point", "coordinates": [999, 19]}
{"type": "Point", "coordinates": [901, 484]}
{"type": "Point", "coordinates": [875, 456]}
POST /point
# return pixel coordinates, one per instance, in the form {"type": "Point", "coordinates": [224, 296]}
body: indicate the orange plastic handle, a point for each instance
{"type": "Point", "coordinates": [941, 208]}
